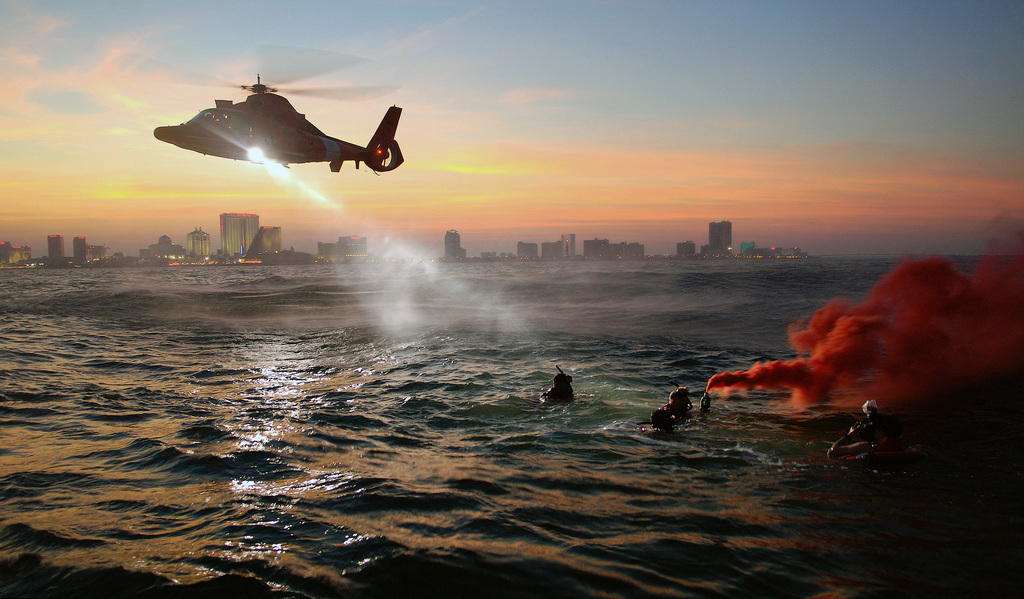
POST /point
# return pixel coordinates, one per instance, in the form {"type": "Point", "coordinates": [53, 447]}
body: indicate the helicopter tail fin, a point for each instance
{"type": "Point", "coordinates": [387, 128]}
{"type": "Point", "coordinates": [386, 155]}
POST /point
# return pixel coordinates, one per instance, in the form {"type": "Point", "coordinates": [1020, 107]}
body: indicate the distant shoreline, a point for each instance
{"type": "Point", "coordinates": [309, 260]}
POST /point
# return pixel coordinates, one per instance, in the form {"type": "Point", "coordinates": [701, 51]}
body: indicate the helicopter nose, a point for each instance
{"type": "Point", "coordinates": [168, 134]}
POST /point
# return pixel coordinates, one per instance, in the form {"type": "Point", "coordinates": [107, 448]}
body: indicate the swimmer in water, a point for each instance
{"type": "Point", "coordinates": [878, 432]}
{"type": "Point", "coordinates": [676, 410]}
{"type": "Point", "coordinates": [561, 390]}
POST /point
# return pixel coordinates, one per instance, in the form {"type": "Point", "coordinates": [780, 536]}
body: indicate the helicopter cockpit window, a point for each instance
{"type": "Point", "coordinates": [202, 117]}
{"type": "Point", "coordinates": [216, 118]}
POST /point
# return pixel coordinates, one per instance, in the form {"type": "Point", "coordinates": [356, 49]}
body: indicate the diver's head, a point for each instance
{"type": "Point", "coordinates": [870, 408]}
{"type": "Point", "coordinates": [680, 398]}
{"type": "Point", "coordinates": [562, 379]}
{"type": "Point", "coordinates": [663, 420]}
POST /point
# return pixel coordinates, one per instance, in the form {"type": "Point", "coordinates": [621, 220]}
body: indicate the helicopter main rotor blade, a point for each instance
{"type": "Point", "coordinates": [343, 93]}
{"type": "Point", "coordinates": [277, 66]}
{"type": "Point", "coordinates": [283, 64]}
{"type": "Point", "coordinates": [152, 66]}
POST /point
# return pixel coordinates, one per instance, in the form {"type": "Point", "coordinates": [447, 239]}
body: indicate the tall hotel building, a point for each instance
{"type": "Point", "coordinates": [453, 246]}
{"type": "Point", "coordinates": [569, 245]}
{"type": "Point", "coordinates": [12, 254]}
{"type": "Point", "coordinates": [237, 232]}
{"type": "Point", "coordinates": [686, 248]}
{"type": "Point", "coordinates": [720, 238]}
{"type": "Point", "coordinates": [197, 243]}
{"type": "Point", "coordinates": [55, 247]}
{"type": "Point", "coordinates": [272, 239]}
{"type": "Point", "coordinates": [79, 250]}
{"type": "Point", "coordinates": [347, 249]}
{"type": "Point", "coordinates": [267, 241]}
{"type": "Point", "coordinates": [355, 248]}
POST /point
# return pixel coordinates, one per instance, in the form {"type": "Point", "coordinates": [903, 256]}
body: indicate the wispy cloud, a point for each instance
{"type": "Point", "coordinates": [31, 22]}
{"type": "Point", "coordinates": [523, 96]}
{"type": "Point", "coordinates": [21, 59]}
{"type": "Point", "coordinates": [24, 35]}
{"type": "Point", "coordinates": [66, 102]}
{"type": "Point", "coordinates": [428, 34]}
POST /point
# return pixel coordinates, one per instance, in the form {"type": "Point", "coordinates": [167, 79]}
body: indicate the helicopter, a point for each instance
{"type": "Point", "coordinates": [266, 128]}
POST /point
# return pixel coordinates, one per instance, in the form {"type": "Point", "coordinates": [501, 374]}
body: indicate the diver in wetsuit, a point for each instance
{"type": "Point", "coordinates": [676, 410]}
{"type": "Point", "coordinates": [878, 432]}
{"type": "Point", "coordinates": [561, 389]}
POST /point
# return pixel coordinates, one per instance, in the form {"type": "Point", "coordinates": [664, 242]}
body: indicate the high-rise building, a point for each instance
{"type": "Point", "coordinates": [720, 238]}
{"type": "Point", "coordinates": [348, 249]}
{"type": "Point", "coordinates": [631, 251]}
{"type": "Point", "coordinates": [267, 241]}
{"type": "Point", "coordinates": [272, 239]}
{"type": "Point", "coordinates": [79, 249]}
{"type": "Point", "coordinates": [327, 251]}
{"type": "Point", "coordinates": [95, 252]}
{"type": "Point", "coordinates": [569, 245]}
{"type": "Point", "coordinates": [552, 250]}
{"type": "Point", "coordinates": [596, 248]}
{"type": "Point", "coordinates": [237, 232]}
{"type": "Point", "coordinates": [453, 246]}
{"type": "Point", "coordinates": [19, 253]}
{"type": "Point", "coordinates": [12, 254]}
{"type": "Point", "coordinates": [602, 249]}
{"type": "Point", "coordinates": [526, 251]}
{"type": "Point", "coordinates": [685, 249]}
{"type": "Point", "coordinates": [83, 253]}
{"type": "Point", "coordinates": [55, 247]}
{"type": "Point", "coordinates": [197, 243]}
{"type": "Point", "coordinates": [354, 248]}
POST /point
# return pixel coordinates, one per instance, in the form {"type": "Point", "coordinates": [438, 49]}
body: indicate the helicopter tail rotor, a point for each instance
{"type": "Point", "coordinates": [385, 153]}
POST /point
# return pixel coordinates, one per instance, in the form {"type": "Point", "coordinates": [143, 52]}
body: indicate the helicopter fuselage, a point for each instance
{"type": "Point", "coordinates": [266, 128]}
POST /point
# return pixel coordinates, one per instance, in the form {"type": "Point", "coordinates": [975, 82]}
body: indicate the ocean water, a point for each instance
{"type": "Point", "coordinates": [375, 431]}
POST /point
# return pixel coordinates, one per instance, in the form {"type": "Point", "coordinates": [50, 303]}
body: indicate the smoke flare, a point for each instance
{"type": "Point", "coordinates": [925, 330]}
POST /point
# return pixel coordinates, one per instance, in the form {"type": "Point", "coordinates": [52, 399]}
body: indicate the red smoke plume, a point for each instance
{"type": "Point", "coordinates": [926, 330]}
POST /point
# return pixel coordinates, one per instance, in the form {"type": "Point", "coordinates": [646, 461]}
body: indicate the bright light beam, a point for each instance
{"type": "Point", "coordinates": [282, 176]}
{"type": "Point", "coordinates": [256, 155]}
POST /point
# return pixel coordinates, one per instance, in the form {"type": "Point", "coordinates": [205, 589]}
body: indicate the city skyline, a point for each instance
{"type": "Point", "coordinates": [252, 226]}
{"type": "Point", "coordinates": [243, 229]}
{"type": "Point", "coordinates": [827, 126]}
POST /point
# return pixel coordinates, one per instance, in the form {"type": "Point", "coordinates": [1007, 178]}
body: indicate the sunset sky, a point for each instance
{"type": "Point", "coordinates": [839, 127]}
